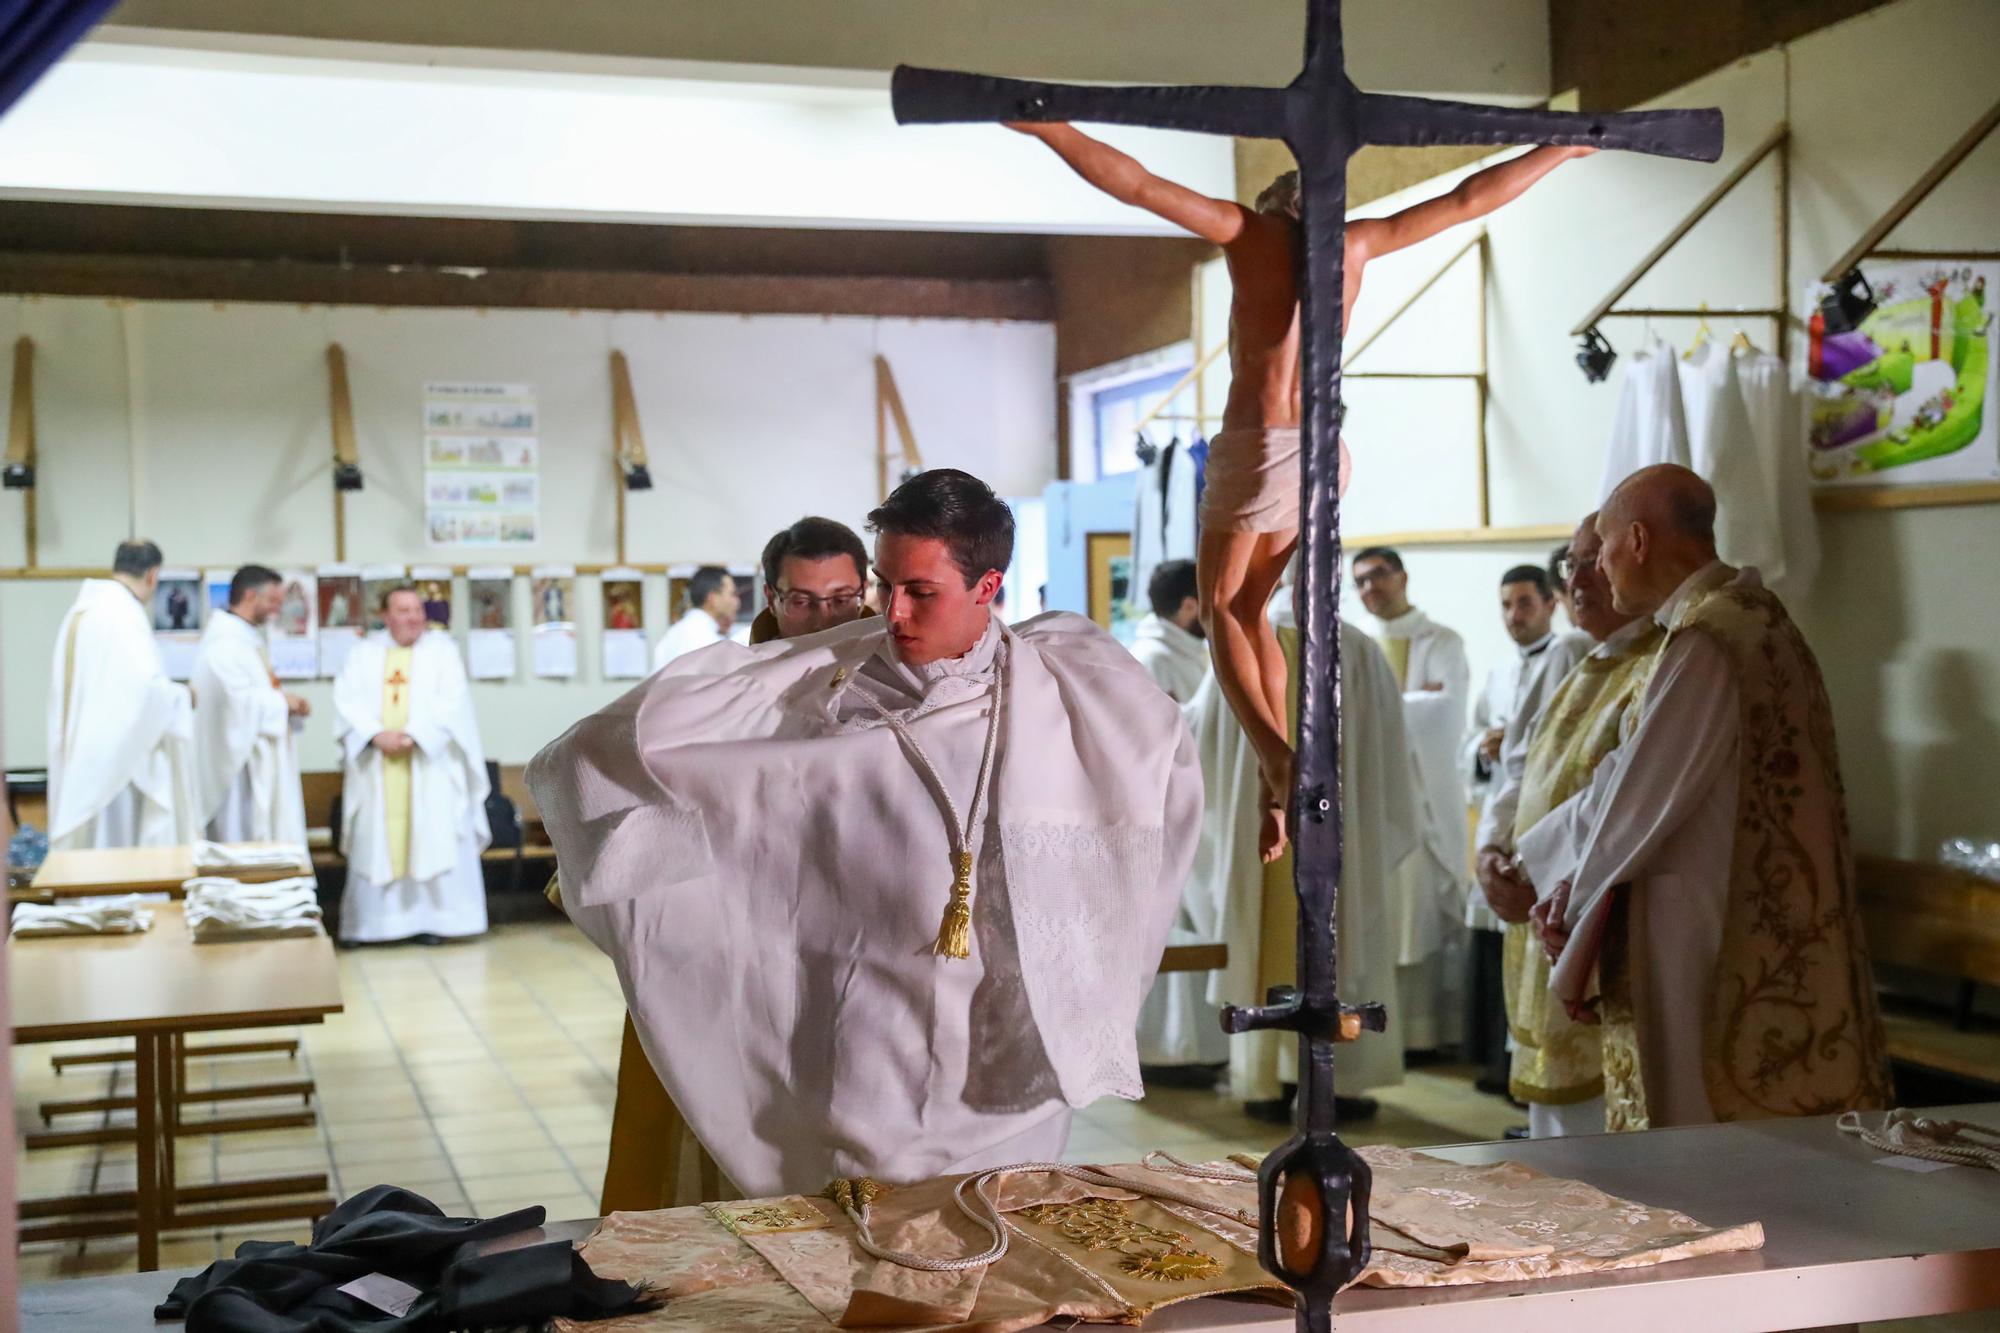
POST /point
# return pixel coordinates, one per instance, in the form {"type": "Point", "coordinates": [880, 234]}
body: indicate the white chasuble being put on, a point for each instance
{"type": "Point", "coordinates": [246, 758]}
{"type": "Point", "coordinates": [763, 840]}
{"type": "Point", "coordinates": [1234, 897]}
{"type": "Point", "coordinates": [120, 733]}
{"type": "Point", "coordinates": [412, 826]}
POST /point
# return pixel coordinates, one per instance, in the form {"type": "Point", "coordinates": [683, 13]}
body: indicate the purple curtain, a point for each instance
{"type": "Point", "coordinates": [34, 34]}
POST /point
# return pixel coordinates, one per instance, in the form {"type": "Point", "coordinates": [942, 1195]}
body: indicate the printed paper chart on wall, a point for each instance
{"type": "Point", "coordinates": [482, 485]}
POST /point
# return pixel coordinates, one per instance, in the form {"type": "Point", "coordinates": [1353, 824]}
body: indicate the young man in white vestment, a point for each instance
{"type": "Point", "coordinates": [1516, 687]}
{"type": "Point", "coordinates": [1428, 663]}
{"type": "Point", "coordinates": [246, 756]}
{"type": "Point", "coordinates": [1168, 641]}
{"type": "Point", "coordinates": [121, 763]}
{"type": "Point", "coordinates": [413, 797]}
{"type": "Point", "coordinates": [712, 605]}
{"type": "Point", "coordinates": [1235, 897]}
{"type": "Point", "coordinates": [884, 900]}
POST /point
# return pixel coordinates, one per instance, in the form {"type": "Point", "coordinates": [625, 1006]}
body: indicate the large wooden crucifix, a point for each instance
{"type": "Point", "coordinates": [1309, 1184]}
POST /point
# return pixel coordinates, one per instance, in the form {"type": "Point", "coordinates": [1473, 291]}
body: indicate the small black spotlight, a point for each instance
{"type": "Point", "coordinates": [1850, 301]}
{"type": "Point", "coordinates": [637, 478]}
{"type": "Point", "coordinates": [346, 476]}
{"type": "Point", "coordinates": [18, 477]}
{"type": "Point", "coordinates": [1595, 354]}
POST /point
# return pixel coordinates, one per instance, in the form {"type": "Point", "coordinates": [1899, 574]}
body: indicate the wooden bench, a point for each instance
{"type": "Point", "coordinates": [322, 790]}
{"type": "Point", "coordinates": [1937, 919]}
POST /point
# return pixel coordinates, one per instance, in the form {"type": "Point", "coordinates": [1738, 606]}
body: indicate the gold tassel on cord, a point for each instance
{"type": "Point", "coordinates": [955, 933]}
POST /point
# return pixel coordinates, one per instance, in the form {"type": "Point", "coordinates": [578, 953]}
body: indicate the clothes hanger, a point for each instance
{"type": "Point", "coordinates": [1701, 335]}
{"type": "Point", "coordinates": [1146, 450]}
{"type": "Point", "coordinates": [1741, 343]}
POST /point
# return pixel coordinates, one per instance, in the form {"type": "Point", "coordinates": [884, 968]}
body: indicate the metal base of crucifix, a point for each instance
{"type": "Point", "coordinates": [1313, 1189]}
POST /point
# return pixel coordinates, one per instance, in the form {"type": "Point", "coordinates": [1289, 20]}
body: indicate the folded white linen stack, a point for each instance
{"type": "Point", "coordinates": [214, 856]}
{"type": "Point", "coordinates": [226, 909]}
{"type": "Point", "coordinates": [127, 915]}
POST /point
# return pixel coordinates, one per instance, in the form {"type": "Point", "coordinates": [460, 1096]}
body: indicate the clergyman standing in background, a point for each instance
{"type": "Point", "coordinates": [246, 756]}
{"type": "Point", "coordinates": [121, 763]}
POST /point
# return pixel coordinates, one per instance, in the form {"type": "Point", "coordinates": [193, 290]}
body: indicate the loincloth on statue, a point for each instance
{"type": "Point", "coordinates": [1102, 1254]}
{"type": "Point", "coordinates": [1252, 480]}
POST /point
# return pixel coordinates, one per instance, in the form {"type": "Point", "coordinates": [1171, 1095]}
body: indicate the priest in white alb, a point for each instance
{"type": "Point", "coordinates": [1429, 665]}
{"type": "Point", "coordinates": [413, 799]}
{"type": "Point", "coordinates": [1233, 896]}
{"type": "Point", "coordinates": [884, 900]}
{"type": "Point", "coordinates": [246, 756]}
{"type": "Point", "coordinates": [1168, 641]}
{"type": "Point", "coordinates": [120, 733]}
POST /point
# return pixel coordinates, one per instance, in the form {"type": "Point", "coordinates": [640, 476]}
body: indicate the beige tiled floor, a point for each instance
{"type": "Point", "coordinates": [481, 1076]}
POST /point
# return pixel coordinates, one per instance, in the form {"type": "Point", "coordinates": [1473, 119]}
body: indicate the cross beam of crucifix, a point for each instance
{"type": "Point", "coordinates": [1324, 119]}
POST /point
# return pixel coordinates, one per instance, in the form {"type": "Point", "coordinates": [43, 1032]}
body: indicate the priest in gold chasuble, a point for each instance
{"type": "Point", "coordinates": [1557, 1067]}
{"type": "Point", "coordinates": [1735, 982]}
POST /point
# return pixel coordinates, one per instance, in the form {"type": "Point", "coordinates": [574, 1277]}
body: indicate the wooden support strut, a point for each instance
{"type": "Point", "coordinates": [341, 406]}
{"type": "Point", "coordinates": [888, 405]}
{"type": "Point", "coordinates": [21, 438]}
{"type": "Point", "coordinates": [1779, 136]}
{"type": "Point", "coordinates": [1915, 195]}
{"type": "Point", "coordinates": [628, 441]}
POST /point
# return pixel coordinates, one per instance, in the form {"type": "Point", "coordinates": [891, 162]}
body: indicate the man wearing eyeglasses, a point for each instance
{"type": "Point", "coordinates": [814, 579]}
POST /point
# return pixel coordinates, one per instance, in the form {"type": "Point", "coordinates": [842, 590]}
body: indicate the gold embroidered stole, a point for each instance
{"type": "Point", "coordinates": [1398, 652]}
{"type": "Point", "coordinates": [1790, 1026]}
{"type": "Point", "coordinates": [1557, 1062]}
{"type": "Point", "coordinates": [396, 675]}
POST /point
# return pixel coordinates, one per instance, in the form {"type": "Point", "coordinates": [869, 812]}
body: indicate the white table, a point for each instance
{"type": "Point", "coordinates": [1847, 1241]}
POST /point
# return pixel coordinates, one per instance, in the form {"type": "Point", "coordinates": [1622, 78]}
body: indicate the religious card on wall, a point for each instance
{"type": "Point", "coordinates": [433, 584]}
{"type": "Point", "coordinates": [343, 619]}
{"type": "Point", "coordinates": [377, 582]}
{"type": "Point", "coordinates": [489, 635]}
{"type": "Point", "coordinates": [625, 656]}
{"type": "Point", "coordinates": [1901, 398]}
{"type": "Point", "coordinates": [293, 634]}
{"type": "Point", "coordinates": [553, 591]}
{"type": "Point", "coordinates": [215, 591]}
{"type": "Point", "coordinates": [482, 481]}
{"type": "Point", "coordinates": [177, 620]}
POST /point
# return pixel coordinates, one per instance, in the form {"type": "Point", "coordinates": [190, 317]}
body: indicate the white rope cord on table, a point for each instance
{"type": "Point", "coordinates": [855, 1196]}
{"type": "Point", "coordinates": [1908, 1134]}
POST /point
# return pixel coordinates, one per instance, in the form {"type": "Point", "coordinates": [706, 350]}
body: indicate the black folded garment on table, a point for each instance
{"type": "Point", "coordinates": [281, 1287]}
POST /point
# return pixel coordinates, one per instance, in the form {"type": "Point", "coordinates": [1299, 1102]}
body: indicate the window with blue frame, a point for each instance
{"type": "Point", "coordinates": [1118, 410]}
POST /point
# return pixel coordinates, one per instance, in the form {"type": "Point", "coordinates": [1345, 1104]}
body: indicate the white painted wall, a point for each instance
{"type": "Point", "coordinates": [1905, 613]}
{"type": "Point", "coordinates": [205, 429]}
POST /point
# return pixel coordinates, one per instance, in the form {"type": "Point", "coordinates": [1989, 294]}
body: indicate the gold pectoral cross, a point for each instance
{"type": "Point", "coordinates": [955, 934]}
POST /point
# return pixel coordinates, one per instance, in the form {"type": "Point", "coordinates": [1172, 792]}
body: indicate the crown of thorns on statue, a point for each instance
{"type": "Point", "coordinates": [1281, 197]}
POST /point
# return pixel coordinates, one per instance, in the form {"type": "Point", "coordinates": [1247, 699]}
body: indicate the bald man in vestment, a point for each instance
{"type": "Point", "coordinates": [121, 735]}
{"type": "Point", "coordinates": [1697, 896]}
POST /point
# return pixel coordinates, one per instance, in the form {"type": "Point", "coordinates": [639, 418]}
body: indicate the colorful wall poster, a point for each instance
{"type": "Point", "coordinates": [1903, 399]}
{"type": "Point", "coordinates": [489, 635]}
{"type": "Point", "coordinates": [482, 479]}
